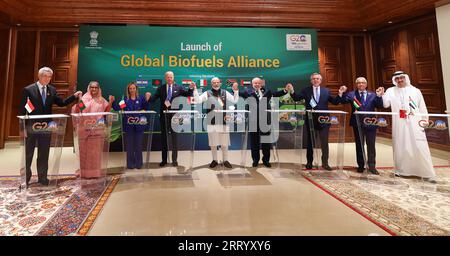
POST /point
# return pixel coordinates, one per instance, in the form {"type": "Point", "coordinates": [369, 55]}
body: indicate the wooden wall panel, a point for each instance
{"type": "Point", "coordinates": [5, 33]}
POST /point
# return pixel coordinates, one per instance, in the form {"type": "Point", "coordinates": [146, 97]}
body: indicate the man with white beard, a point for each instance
{"type": "Point", "coordinates": [411, 152]}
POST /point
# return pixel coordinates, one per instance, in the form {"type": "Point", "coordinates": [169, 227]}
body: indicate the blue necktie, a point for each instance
{"type": "Point", "coordinates": [169, 93]}
{"type": "Point", "coordinates": [363, 98]}
{"type": "Point", "coordinates": [43, 95]}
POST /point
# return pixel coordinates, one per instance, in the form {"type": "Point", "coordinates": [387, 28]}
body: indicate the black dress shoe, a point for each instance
{"type": "Point", "coordinates": [175, 163]}
{"type": "Point", "coordinates": [360, 169]}
{"type": "Point", "coordinates": [255, 164]}
{"type": "Point", "coordinates": [327, 167]}
{"type": "Point", "coordinates": [213, 164]}
{"type": "Point", "coordinates": [308, 166]}
{"type": "Point", "coordinates": [44, 182]}
{"type": "Point", "coordinates": [227, 164]}
{"type": "Point", "coordinates": [163, 163]}
{"type": "Point", "coordinates": [374, 171]}
{"type": "Point", "coordinates": [267, 164]}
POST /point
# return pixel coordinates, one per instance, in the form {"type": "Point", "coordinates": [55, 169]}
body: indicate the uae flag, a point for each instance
{"type": "Point", "coordinates": [156, 82]}
{"type": "Point", "coordinates": [203, 82]}
{"type": "Point", "coordinates": [412, 104]}
{"type": "Point", "coordinates": [29, 106]}
{"type": "Point", "coordinates": [245, 82]}
{"type": "Point", "coordinates": [122, 104]}
{"type": "Point", "coordinates": [356, 103]}
{"type": "Point", "coordinates": [186, 81]}
{"type": "Point", "coordinates": [81, 105]}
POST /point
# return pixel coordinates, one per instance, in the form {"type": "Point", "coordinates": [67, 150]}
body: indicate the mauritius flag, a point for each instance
{"type": "Point", "coordinates": [356, 103]}
{"type": "Point", "coordinates": [81, 105]}
{"type": "Point", "coordinates": [122, 104]}
{"type": "Point", "coordinates": [29, 106]}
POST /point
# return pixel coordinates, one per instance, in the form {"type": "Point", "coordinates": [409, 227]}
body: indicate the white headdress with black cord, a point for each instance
{"type": "Point", "coordinates": [399, 74]}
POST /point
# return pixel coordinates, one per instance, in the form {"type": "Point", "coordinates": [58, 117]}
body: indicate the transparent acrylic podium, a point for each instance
{"type": "Point", "coordinates": [333, 145]}
{"type": "Point", "coordinates": [437, 135]}
{"type": "Point", "coordinates": [137, 121]}
{"type": "Point", "coordinates": [180, 135]}
{"type": "Point", "coordinates": [47, 133]}
{"type": "Point", "coordinates": [91, 132]}
{"type": "Point", "coordinates": [236, 124]}
{"type": "Point", "coordinates": [287, 131]}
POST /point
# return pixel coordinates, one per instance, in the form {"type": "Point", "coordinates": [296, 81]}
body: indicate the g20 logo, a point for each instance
{"type": "Point", "coordinates": [137, 120]}
{"type": "Point", "coordinates": [44, 126]}
{"type": "Point", "coordinates": [328, 120]}
{"type": "Point", "coordinates": [430, 124]}
{"type": "Point", "coordinates": [373, 121]}
{"type": "Point", "coordinates": [91, 123]}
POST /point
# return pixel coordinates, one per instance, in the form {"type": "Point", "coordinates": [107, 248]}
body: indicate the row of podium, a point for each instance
{"type": "Point", "coordinates": [91, 132]}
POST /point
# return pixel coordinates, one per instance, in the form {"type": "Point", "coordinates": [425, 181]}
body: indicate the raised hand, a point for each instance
{"type": "Point", "coordinates": [289, 87]}
{"type": "Point", "coordinates": [111, 98]}
{"type": "Point", "coordinates": [147, 96]}
{"type": "Point", "coordinates": [380, 91]}
{"type": "Point", "coordinates": [342, 89]}
{"type": "Point", "coordinates": [78, 94]}
{"type": "Point", "coordinates": [235, 87]}
{"type": "Point", "coordinates": [192, 86]}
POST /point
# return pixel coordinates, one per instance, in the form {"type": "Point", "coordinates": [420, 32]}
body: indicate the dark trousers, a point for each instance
{"type": "Point", "coordinates": [166, 130]}
{"type": "Point", "coordinates": [256, 145]}
{"type": "Point", "coordinates": [42, 141]}
{"type": "Point", "coordinates": [367, 136]}
{"type": "Point", "coordinates": [322, 134]}
{"type": "Point", "coordinates": [133, 142]}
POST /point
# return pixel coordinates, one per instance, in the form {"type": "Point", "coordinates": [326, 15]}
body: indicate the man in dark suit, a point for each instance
{"type": "Point", "coordinates": [363, 100]}
{"type": "Point", "coordinates": [166, 93]}
{"type": "Point", "coordinates": [261, 97]}
{"type": "Point", "coordinates": [42, 95]}
{"type": "Point", "coordinates": [317, 97]}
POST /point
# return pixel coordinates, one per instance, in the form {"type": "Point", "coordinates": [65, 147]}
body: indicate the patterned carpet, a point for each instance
{"type": "Point", "coordinates": [400, 206]}
{"type": "Point", "coordinates": [67, 210]}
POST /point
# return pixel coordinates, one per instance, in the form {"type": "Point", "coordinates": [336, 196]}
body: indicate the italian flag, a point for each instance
{"type": "Point", "coordinates": [122, 104]}
{"type": "Point", "coordinates": [29, 106]}
{"type": "Point", "coordinates": [356, 103]}
{"type": "Point", "coordinates": [203, 82]}
{"type": "Point", "coordinates": [81, 105]}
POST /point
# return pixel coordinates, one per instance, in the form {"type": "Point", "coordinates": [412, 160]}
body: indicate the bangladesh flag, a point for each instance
{"type": "Point", "coordinates": [81, 105]}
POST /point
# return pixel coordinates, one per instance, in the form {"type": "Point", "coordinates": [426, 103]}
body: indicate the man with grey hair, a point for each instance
{"type": "Point", "coordinates": [363, 100]}
{"type": "Point", "coordinates": [262, 96]}
{"type": "Point", "coordinates": [218, 131]}
{"type": "Point", "coordinates": [42, 95]}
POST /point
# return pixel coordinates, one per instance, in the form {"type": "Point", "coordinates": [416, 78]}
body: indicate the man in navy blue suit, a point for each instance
{"type": "Point", "coordinates": [317, 97]}
{"type": "Point", "coordinates": [363, 100]}
{"type": "Point", "coordinates": [261, 97]}
{"type": "Point", "coordinates": [166, 93]}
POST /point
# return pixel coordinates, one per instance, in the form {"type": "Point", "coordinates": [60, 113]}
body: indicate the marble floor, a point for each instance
{"type": "Point", "coordinates": [255, 201]}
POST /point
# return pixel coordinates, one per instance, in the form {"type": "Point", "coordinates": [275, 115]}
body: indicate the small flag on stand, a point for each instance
{"type": "Point", "coordinates": [81, 106]}
{"type": "Point", "coordinates": [29, 106]}
{"type": "Point", "coordinates": [203, 82]}
{"type": "Point", "coordinates": [122, 104]}
{"type": "Point", "coordinates": [356, 103]}
{"type": "Point", "coordinates": [412, 104]}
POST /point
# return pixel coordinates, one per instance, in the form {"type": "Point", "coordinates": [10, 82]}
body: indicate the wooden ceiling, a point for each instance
{"type": "Point", "coordinates": [320, 14]}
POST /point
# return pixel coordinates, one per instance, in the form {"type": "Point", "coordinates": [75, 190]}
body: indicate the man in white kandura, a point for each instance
{"type": "Point", "coordinates": [411, 152]}
{"type": "Point", "coordinates": [218, 131]}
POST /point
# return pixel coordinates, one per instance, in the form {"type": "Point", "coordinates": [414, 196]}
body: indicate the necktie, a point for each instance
{"type": "Point", "coordinates": [363, 97]}
{"type": "Point", "coordinates": [169, 93]}
{"type": "Point", "coordinates": [43, 95]}
{"type": "Point", "coordinates": [316, 94]}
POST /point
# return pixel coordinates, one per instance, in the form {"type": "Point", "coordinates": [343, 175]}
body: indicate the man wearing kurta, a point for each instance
{"type": "Point", "coordinates": [411, 152]}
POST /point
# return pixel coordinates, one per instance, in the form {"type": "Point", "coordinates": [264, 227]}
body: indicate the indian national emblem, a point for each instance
{"type": "Point", "coordinates": [93, 41]}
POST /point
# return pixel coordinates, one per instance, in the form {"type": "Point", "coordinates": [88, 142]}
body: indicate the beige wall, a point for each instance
{"type": "Point", "coordinates": [443, 24]}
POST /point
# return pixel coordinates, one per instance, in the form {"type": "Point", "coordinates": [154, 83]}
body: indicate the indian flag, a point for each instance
{"type": "Point", "coordinates": [29, 106]}
{"type": "Point", "coordinates": [203, 82]}
{"type": "Point", "coordinates": [356, 103]}
{"type": "Point", "coordinates": [122, 104]}
{"type": "Point", "coordinates": [81, 105]}
{"type": "Point", "coordinates": [412, 104]}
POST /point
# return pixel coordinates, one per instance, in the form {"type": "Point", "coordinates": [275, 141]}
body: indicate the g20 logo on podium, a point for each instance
{"type": "Point", "coordinates": [328, 119]}
{"type": "Point", "coordinates": [373, 121]}
{"type": "Point", "coordinates": [430, 124]}
{"type": "Point", "coordinates": [181, 119]}
{"type": "Point", "coordinates": [45, 126]}
{"type": "Point", "coordinates": [92, 123]}
{"type": "Point", "coordinates": [135, 120]}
